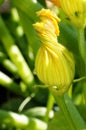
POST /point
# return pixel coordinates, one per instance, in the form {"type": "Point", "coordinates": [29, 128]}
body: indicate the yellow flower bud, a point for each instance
{"type": "Point", "coordinates": [76, 11]}
{"type": "Point", "coordinates": [54, 64]}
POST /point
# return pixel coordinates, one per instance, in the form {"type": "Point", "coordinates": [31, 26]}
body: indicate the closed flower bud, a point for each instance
{"type": "Point", "coordinates": [54, 64]}
{"type": "Point", "coordinates": [75, 10]}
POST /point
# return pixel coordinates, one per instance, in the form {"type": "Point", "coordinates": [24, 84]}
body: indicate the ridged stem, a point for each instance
{"type": "Point", "coordinates": [71, 114]}
{"type": "Point", "coordinates": [82, 45]}
{"type": "Point", "coordinates": [82, 49]}
{"type": "Point", "coordinates": [50, 104]}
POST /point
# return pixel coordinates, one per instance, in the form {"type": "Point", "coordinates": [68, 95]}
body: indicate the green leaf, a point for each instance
{"type": "Point", "coordinates": [12, 104]}
{"type": "Point", "coordinates": [69, 38]}
{"type": "Point", "coordinates": [1, 2]}
{"type": "Point", "coordinates": [58, 122]}
{"type": "Point", "coordinates": [28, 6]}
{"type": "Point", "coordinates": [29, 31]}
{"type": "Point", "coordinates": [82, 110]}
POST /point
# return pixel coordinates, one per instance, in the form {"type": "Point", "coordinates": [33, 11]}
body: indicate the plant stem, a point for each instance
{"type": "Point", "coordinates": [15, 55]}
{"type": "Point", "coordinates": [8, 83]}
{"type": "Point", "coordinates": [21, 121]}
{"type": "Point", "coordinates": [82, 45]}
{"type": "Point", "coordinates": [82, 49]}
{"type": "Point", "coordinates": [71, 114]}
{"type": "Point", "coordinates": [49, 106]}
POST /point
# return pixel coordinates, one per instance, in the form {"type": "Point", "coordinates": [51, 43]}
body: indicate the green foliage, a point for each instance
{"type": "Point", "coordinates": [1, 2]}
{"type": "Point", "coordinates": [58, 122]}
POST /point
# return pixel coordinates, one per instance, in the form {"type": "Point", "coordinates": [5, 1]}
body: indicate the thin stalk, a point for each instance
{"type": "Point", "coordinates": [82, 49]}
{"type": "Point", "coordinates": [82, 45]}
{"type": "Point", "coordinates": [50, 104]}
{"type": "Point", "coordinates": [71, 115]}
{"type": "Point", "coordinates": [23, 104]}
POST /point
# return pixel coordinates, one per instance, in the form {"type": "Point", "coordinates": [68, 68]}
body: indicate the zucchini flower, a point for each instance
{"type": "Point", "coordinates": [75, 10]}
{"type": "Point", "coordinates": [54, 64]}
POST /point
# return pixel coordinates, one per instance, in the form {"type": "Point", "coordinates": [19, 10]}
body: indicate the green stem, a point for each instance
{"type": "Point", "coordinates": [82, 45]}
{"type": "Point", "coordinates": [71, 115]}
{"type": "Point", "coordinates": [50, 104]}
{"type": "Point", "coordinates": [15, 54]}
{"type": "Point", "coordinates": [82, 49]}
{"type": "Point", "coordinates": [7, 64]}
{"type": "Point", "coordinates": [8, 83]}
{"type": "Point", "coordinates": [21, 121]}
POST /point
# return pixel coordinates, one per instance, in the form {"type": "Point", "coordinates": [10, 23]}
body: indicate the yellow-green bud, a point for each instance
{"type": "Point", "coordinates": [54, 64]}
{"type": "Point", "coordinates": [75, 10]}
